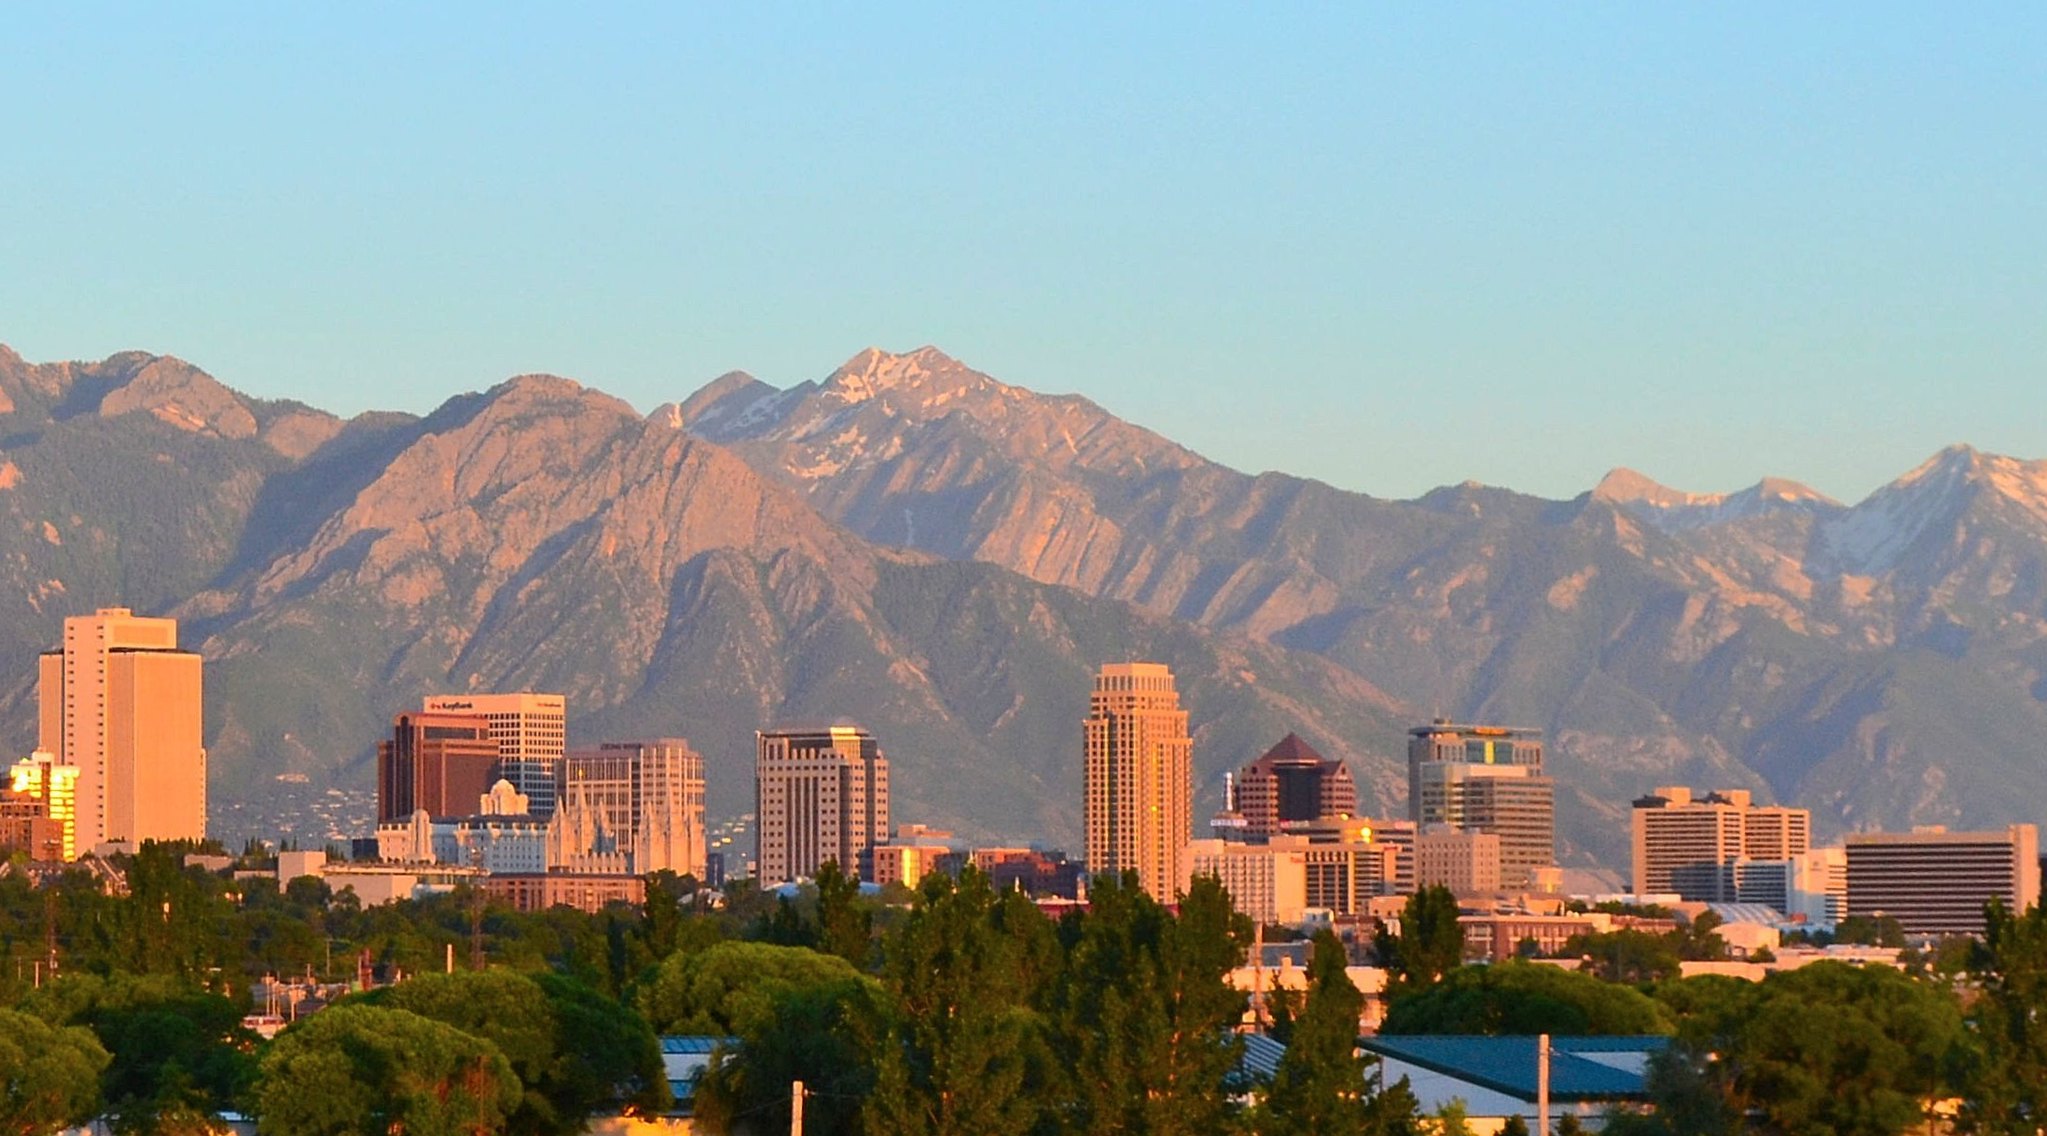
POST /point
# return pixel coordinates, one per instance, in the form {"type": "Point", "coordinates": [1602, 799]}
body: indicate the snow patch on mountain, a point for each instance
{"type": "Point", "coordinates": [1674, 510]}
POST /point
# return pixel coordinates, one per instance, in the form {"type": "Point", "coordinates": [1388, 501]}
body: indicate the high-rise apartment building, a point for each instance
{"type": "Point", "coordinates": [1693, 845]}
{"type": "Point", "coordinates": [1486, 779]}
{"type": "Point", "coordinates": [647, 798]}
{"type": "Point", "coordinates": [440, 763]}
{"type": "Point", "coordinates": [121, 704]}
{"type": "Point", "coordinates": [1291, 783]}
{"type": "Point", "coordinates": [819, 795]}
{"type": "Point", "coordinates": [532, 735]}
{"type": "Point", "coordinates": [1936, 882]}
{"type": "Point", "coordinates": [1139, 772]}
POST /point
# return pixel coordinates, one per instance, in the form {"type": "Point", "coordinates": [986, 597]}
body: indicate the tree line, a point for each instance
{"type": "Point", "coordinates": [951, 1009]}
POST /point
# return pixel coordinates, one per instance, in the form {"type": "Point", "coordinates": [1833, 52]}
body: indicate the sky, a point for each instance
{"type": "Point", "coordinates": [1385, 246]}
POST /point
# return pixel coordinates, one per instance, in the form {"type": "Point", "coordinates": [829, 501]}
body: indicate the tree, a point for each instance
{"type": "Point", "coordinates": [964, 1053]}
{"type": "Point", "coordinates": [1321, 1083]}
{"type": "Point", "coordinates": [49, 1075]}
{"type": "Point", "coordinates": [1430, 944]}
{"type": "Point", "coordinates": [1627, 955]}
{"type": "Point", "coordinates": [605, 1054]}
{"type": "Point", "coordinates": [1827, 1048]}
{"type": "Point", "coordinates": [180, 1055]}
{"type": "Point", "coordinates": [356, 1068]}
{"type": "Point", "coordinates": [2007, 1090]}
{"type": "Point", "coordinates": [572, 1049]}
{"type": "Point", "coordinates": [845, 921]}
{"type": "Point", "coordinates": [824, 1035]}
{"type": "Point", "coordinates": [1147, 1011]}
{"type": "Point", "coordinates": [1867, 931]}
{"type": "Point", "coordinates": [1526, 998]}
{"type": "Point", "coordinates": [721, 989]}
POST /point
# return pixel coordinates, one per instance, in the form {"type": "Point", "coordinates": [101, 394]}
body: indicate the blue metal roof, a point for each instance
{"type": "Point", "coordinates": [1261, 1056]}
{"type": "Point", "coordinates": [696, 1046]}
{"type": "Point", "coordinates": [1507, 1064]}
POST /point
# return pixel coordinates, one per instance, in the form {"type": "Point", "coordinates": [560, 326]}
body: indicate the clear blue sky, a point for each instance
{"type": "Point", "coordinates": [1388, 248]}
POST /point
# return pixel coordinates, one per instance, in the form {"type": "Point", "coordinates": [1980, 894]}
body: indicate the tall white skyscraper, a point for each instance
{"type": "Point", "coordinates": [121, 704]}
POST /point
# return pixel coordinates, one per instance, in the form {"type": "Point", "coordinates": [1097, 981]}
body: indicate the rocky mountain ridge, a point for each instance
{"type": "Point", "coordinates": [947, 557]}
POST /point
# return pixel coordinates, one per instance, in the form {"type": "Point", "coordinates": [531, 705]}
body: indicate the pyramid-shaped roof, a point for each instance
{"type": "Point", "coordinates": [1291, 750]}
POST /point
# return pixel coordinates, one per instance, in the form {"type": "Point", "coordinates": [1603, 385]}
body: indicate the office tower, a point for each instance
{"type": "Point", "coordinates": [819, 795]}
{"type": "Point", "coordinates": [440, 763]}
{"type": "Point", "coordinates": [647, 796]}
{"type": "Point", "coordinates": [121, 704]}
{"type": "Point", "coordinates": [1693, 845]}
{"type": "Point", "coordinates": [1139, 759]}
{"type": "Point", "coordinates": [1935, 882]}
{"type": "Point", "coordinates": [1468, 863]}
{"type": "Point", "coordinates": [532, 735]}
{"type": "Point", "coordinates": [1290, 783]}
{"type": "Point", "coordinates": [1486, 779]}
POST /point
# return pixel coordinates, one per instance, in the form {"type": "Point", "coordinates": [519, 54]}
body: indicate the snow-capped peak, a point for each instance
{"type": "Point", "coordinates": [1873, 536]}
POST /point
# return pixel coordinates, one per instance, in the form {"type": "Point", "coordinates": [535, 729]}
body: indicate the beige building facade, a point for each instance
{"type": "Point", "coordinates": [1693, 845]}
{"type": "Point", "coordinates": [122, 704]}
{"type": "Point", "coordinates": [1487, 779]}
{"type": "Point", "coordinates": [819, 795]}
{"type": "Point", "coordinates": [1139, 777]}
{"type": "Point", "coordinates": [642, 799]}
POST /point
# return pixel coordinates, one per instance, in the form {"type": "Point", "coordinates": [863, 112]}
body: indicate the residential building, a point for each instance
{"type": "Point", "coordinates": [1693, 845]}
{"type": "Point", "coordinates": [1138, 810]}
{"type": "Point", "coordinates": [1291, 782]}
{"type": "Point", "coordinates": [531, 731]}
{"type": "Point", "coordinates": [819, 795]}
{"type": "Point", "coordinates": [1936, 882]}
{"type": "Point", "coordinates": [436, 763]}
{"type": "Point", "coordinates": [121, 704]}
{"type": "Point", "coordinates": [645, 798]}
{"type": "Point", "coordinates": [1487, 779]}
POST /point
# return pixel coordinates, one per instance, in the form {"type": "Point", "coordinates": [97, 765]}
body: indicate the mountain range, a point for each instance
{"type": "Point", "coordinates": [946, 558]}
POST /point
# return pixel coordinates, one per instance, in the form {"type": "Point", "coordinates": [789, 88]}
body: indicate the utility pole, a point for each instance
{"type": "Point", "coordinates": [1542, 1084]}
{"type": "Point", "coordinates": [50, 930]}
{"type": "Point", "coordinates": [796, 1108]}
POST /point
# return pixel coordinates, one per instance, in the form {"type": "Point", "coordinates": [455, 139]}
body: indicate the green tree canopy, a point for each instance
{"type": "Point", "coordinates": [1827, 1048]}
{"type": "Point", "coordinates": [179, 1053]}
{"type": "Point", "coordinates": [825, 1035]}
{"type": "Point", "coordinates": [573, 1050]}
{"type": "Point", "coordinates": [2007, 1090]}
{"type": "Point", "coordinates": [1321, 1085]}
{"type": "Point", "coordinates": [49, 1074]}
{"type": "Point", "coordinates": [1629, 955]}
{"type": "Point", "coordinates": [723, 989]}
{"type": "Point", "coordinates": [965, 1053]}
{"type": "Point", "coordinates": [1146, 1010]}
{"type": "Point", "coordinates": [1430, 944]}
{"type": "Point", "coordinates": [1526, 998]}
{"type": "Point", "coordinates": [354, 1068]}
